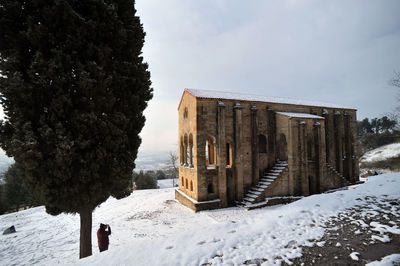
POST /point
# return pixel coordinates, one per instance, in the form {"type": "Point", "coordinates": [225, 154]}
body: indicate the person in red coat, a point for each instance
{"type": "Point", "coordinates": [102, 236]}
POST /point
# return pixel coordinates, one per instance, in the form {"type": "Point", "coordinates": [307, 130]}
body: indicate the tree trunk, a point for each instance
{"type": "Point", "coordinates": [85, 248]}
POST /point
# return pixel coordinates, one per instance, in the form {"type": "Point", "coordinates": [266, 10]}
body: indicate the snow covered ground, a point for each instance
{"type": "Point", "coordinates": [167, 183]}
{"type": "Point", "coordinates": [151, 228]}
{"type": "Point", "coordinates": [382, 153]}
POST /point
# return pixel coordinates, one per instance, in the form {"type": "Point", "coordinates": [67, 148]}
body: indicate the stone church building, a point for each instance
{"type": "Point", "coordinates": [240, 149]}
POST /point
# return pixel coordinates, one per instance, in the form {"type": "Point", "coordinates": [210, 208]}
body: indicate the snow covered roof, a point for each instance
{"type": "Point", "coordinates": [300, 115]}
{"type": "Point", "coordinates": [208, 94]}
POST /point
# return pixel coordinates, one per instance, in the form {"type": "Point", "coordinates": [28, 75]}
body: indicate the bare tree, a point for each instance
{"type": "Point", "coordinates": [395, 81]}
{"type": "Point", "coordinates": [173, 162]}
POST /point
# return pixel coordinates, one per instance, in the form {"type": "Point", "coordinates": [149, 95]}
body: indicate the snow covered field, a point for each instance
{"type": "Point", "coordinates": [167, 183]}
{"type": "Point", "coordinates": [382, 153]}
{"type": "Point", "coordinates": [151, 228]}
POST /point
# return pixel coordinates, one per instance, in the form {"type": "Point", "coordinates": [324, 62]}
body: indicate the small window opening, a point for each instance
{"type": "Point", "coordinates": [262, 144]}
{"type": "Point", "coordinates": [228, 155]}
{"type": "Point", "coordinates": [210, 188]}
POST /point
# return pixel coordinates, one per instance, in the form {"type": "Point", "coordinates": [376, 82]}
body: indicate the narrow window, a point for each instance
{"type": "Point", "coordinates": [186, 150]}
{"type": "Point", "coordinates": [210, 150]}
{"type": "Point", "coordinates": [228, 155]}
{"type": "Point", "coordinates": [210, 188]}
{"type": "Point", "coordinates": [262, 144]}
{"type": "Point", "coordinates": [182, 154]}
{"type": "Point", "coordinates": [185, 114]}
{"type": "Point", "coordinates": [191, 150]}
{"type": "Point", "coordinates": [186, 184]}
{"type": "Point", "coordinates": [191, 186]}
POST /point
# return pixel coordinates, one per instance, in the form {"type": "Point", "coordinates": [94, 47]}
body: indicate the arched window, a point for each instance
{"type": "Point", "coordinates": [191, 150]}
{"type": "Point", "coordinates": [182, 151]}
{"type": "Point", "coordinates": [262, 144]}
{"type": "Point", "coordinates": [186, 150]}
{"type": "Point", "coordinates": [191, 186]}
{"type": "Point", "coordinates": [210, 152]}
{"type": "Point", "coordinates": [210, 188]}
{"type": "Point", "coordinates": [185, 114]}
{"type": "Point", "coordinates": [228, 155]}
{"type": "Point", "coordinates": [186, 184]}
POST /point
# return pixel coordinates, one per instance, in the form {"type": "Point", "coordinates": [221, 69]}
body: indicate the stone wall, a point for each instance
{"type": "Point", "coordinates": [246, 138]}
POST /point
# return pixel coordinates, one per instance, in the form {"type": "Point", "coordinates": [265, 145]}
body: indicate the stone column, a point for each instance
{"type": "Point", "coordinates": [271, 131]}
{"type": "Point", "coordinates": [338, 121]}
{"type": "Point", "coordinates": [255, 171]}
{"type": "Point", "coordinates": [221, 151]}
{"type": "Point", "coordinates": [347, 165]}
{"type": "Point", "coordinates": [302, 179]}
{"type": "Point", "coordinates": [238, 151]}
{"type": "Point", "coordinates": [318, 156]}
{"type": "Point", "coordinates": [354, 148]}
{"type": "Point", "coordinates": [328, 135]}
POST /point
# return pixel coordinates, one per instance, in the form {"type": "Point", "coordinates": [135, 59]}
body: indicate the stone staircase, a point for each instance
{"type": "Point", "coordinates": [256, 196]}
{"type": "Point", "coordinates": [335, 172]}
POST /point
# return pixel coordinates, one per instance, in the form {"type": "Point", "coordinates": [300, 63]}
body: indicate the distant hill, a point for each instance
{"type": "Point", "coordinates": [150, 160]}
{"type": "Point", "coordinates": [145, 161]}
{"type": "Point", "coordinates": [384, 157]}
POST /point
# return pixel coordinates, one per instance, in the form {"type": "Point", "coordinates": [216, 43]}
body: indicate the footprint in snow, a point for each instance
{"type": "Point", "coordinates": [201, 243]}
{"type": "Point", "coordinates": [231, 232]}
{"type": "Point", "coordinates": [169, 247]}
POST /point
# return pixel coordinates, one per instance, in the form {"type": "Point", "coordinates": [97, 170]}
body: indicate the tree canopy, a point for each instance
{"type": "Point", "coordinates": [73, 86]}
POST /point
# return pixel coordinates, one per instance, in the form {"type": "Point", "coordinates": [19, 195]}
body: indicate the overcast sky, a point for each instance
{"type": "Point", "coordinates": [342, 52]}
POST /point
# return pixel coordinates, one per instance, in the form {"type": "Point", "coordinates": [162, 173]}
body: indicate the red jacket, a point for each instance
{"type": "Point", "coordinates": [102, 237]}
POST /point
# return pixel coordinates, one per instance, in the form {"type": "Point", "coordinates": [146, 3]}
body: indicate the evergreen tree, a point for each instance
{"type": "Point", "coordinates": [16, 193]}
{"type": "Point", "coordinates": [73, 87]}
{"type": "Point", "coordinates": [146, 180]}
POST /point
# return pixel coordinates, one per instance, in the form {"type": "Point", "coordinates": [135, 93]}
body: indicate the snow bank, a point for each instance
{"type": "Point", "coordinates": [382, 153]}
{"type": "Point", "coordinates": [390, 260]}
{"type": "Point", "coordinates": [167, 183]}
{"type": "Point", "coordinates": [151, 228]}
{"type": "Point", "coordinates": [272, 232]}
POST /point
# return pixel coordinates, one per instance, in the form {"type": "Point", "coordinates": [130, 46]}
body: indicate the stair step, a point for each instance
{"type": "Point", "coordinates": [273, 173]}
{"type": "Point", "coordinates": [265, 183]}
{"type": "Point", "coordinates": [249, 199]}
{"type": "Point", "coordinates": [267, 179]}
{"type": "Point", "coordinates": [256, 192]}
{"type": "Point", "coordinates": [262, 186]}
{"type": "Point", "coordinates": [248, 195]}
{"type": "Point", "coordinates": [255, 205]}
{"type": "Point", "coordinates": [256, 189]}
{"type": "Point", "coordinates": [279, 168]}
{"type": "Point", "coordinates": [270, 176]}
{"type": "Point", "coordinates": [276, 171]}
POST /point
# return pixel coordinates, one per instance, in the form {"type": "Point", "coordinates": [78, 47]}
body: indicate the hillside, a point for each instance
{"type": "Point", "coordinates": [382, 153]}
{"type": "Point", "coordinates": [151, 228]}
{"type": "Point", "coordinates": [385, 157]}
